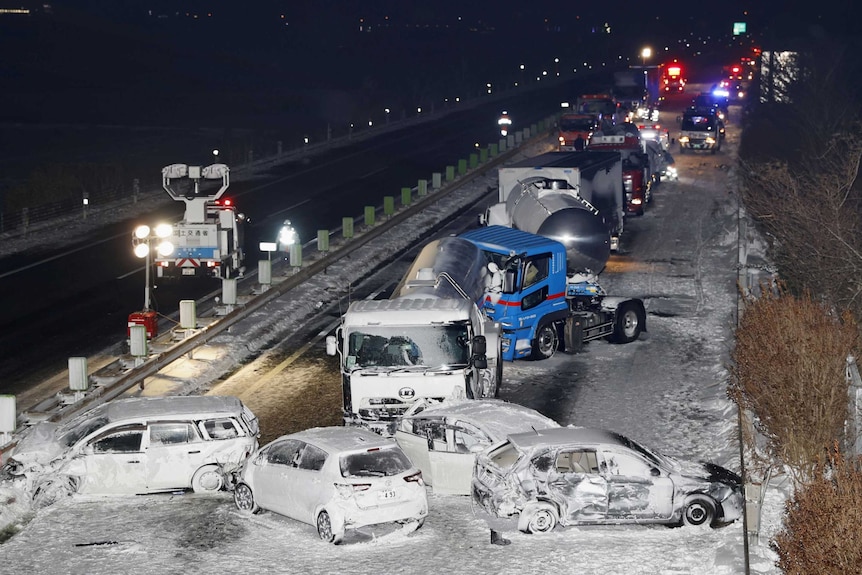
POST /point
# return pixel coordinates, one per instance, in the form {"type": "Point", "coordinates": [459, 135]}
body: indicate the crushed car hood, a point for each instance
{"type": "Point", "coordinates": [39, 445]}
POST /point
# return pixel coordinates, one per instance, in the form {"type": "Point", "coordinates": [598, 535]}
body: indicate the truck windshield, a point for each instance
{"type": "Point", "coordinates": [576, 124]}
{"type": "Point", "coordinates": [597, 107]}
{"type": "Point", "coordinates": [420, 345]}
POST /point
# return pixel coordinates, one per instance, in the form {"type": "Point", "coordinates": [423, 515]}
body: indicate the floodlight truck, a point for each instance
{"type": "Point", "coordinates": [208, 241]}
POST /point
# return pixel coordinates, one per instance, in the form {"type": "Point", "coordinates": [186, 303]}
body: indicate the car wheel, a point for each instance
{"type": "Point", "coordinates": [541, 518]}
{"type": "Point", "coordinates": [628, 323]}
{"type": "Point", "coordinates": [698, 511]}
{"type": "Point", "coordinates": [50, 491]}
{"type": "Point", "coordinates": [681, 150]}
{"type": "Point", "coordinates": [546, 342]}
{"type": "Point", "coordinates": [244, 500]}
{"type": "Point", "coordinates": [411, 526]}
{"type": "Point", "coordinates": [207, 479]}
{"type": "Point", "coordinates": [325, 530]}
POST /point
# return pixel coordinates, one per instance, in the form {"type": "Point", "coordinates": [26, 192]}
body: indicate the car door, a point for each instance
{"type": "Point", "coordinates": [575, 482]}
{"type": "Point", "coordinates": [272, 480]}
{"type": "Point", "coordinates": [452, 469]}
{"type": "Point", "coordinates": [415, 442]}
{"type": "Point", "coordinates": [637, 488]}
{"type": "Point", "coordinates": [115, 462]}
{"type": "Point", "coordinates": [174, 452]}
{"type": "Point", "coordinates": [309, 487]}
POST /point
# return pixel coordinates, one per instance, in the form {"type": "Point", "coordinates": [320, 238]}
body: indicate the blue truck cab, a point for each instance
{"type": "Point", "coordinates": [541, 305]}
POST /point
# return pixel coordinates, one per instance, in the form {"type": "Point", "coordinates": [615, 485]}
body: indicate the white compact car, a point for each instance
{"type": "Point", "coordinates": [335, 478]}
{"type": "Point", "coordinates": [137, 445]}
{"type": "Point", "coordinates": [443, 439]}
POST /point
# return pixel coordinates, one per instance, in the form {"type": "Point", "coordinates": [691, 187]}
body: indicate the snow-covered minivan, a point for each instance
{"type": "Point", "coordinates": [137, 445]}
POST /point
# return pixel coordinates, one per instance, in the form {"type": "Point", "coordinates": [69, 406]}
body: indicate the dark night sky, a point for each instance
{"type": "Point", "coordinates": [97, 52]}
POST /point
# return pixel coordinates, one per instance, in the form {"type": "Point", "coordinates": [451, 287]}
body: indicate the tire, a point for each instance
{"type": "Point", "coordinates": [324, 529]}
{"type": "Point", "coordinates": [698, 511]}
{"type": "Point", "coordinates": [628, 323]}
{"type": "Point", "coordinates": [681, 150]}
{"type": "Point", "coordinates": [411, 526]}
{"type": "Point", "coordinates": [53, 490]}
{"type": "Point", "coordinates": [208, 479]}
{"type": "Point", "coordinates": [540, 518]}
{"type": "Point", "coordinates": [546, 342]}
{"type": "Point", "coordinates": [243, 498]}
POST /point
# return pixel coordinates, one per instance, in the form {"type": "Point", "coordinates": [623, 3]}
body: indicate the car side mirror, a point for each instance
{"type": "Point", "coordinates": [654, 471]}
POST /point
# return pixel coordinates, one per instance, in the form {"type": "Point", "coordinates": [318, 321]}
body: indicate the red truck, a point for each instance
{"type": "Point", "coordinates": [637, 176]}
{"type": "Point", "coordinates": [575, 131]}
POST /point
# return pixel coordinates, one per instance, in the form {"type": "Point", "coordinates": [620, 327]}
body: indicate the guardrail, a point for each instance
{"type": "Point", "coordinates": [456, 177]}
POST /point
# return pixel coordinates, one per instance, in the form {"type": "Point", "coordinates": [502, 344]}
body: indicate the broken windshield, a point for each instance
{"type": "Point", "coordinates": [421, 345]}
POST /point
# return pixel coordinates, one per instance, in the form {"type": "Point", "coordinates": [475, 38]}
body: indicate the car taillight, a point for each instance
{"type": "Point", "coordinates": [414, 477]}
{"type": "Point", "coordinates": [348, 489]}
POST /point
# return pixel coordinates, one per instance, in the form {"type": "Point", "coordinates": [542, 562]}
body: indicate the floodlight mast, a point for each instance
{"type": "Point", "coordinates": [195, 203]}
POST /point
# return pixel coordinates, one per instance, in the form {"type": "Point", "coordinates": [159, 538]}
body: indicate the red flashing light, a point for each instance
{"type": "Point", "coordinates": [227, 202]}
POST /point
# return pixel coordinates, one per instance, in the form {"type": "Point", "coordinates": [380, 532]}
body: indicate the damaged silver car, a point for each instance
{"type": "Point", "coordinates": [577, 476]}
{"type": "Point", "coordinates": [137, 445]}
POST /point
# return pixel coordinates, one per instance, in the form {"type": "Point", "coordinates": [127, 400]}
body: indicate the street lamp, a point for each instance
{"type": "Point", "coordinates": [646, 54]}
{"type": "Point", "coordinates": [142, 239]}
{"type": "Point", "coordinates": [215, 155]}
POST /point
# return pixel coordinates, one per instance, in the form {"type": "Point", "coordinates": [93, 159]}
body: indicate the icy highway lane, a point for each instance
{"type": "Point", "coordinates": [666, 390]}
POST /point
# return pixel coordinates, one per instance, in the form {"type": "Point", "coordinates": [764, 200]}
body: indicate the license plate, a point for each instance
{"type": "Point", "coordinates": [188, 271]}
{"type": "Point", "coordinates": [386, 494]}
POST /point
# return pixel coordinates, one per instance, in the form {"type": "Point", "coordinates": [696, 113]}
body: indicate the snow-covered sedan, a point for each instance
{"type": "Point", "coordinates": [575, 476]}
{"type": "Point", "coordinates": [443, 439]}
{"type": "Point", "coordinates": [335, 478]}
{"type": "Point", "coordinates": [137, 445]}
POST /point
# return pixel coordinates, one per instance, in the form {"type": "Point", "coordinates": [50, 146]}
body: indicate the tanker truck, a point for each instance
{"type": "Point", "coordinates": [544, 299]}
{"type": "Point", "coordinates": [428, 341]}
{"type": "Point", "coordinates": [572, 197]}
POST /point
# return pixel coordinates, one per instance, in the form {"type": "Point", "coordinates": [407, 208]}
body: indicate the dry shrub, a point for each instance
{"type": "Point", "coordinates": [789, 370]}
{"type": "Point", "coordinates": [812, 218]}
{"type": "Point", "coordinates": [821, 522]}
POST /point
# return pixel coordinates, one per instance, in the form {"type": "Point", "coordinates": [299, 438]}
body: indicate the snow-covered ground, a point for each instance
{"type": "Point", "coordinates": [666, 390]}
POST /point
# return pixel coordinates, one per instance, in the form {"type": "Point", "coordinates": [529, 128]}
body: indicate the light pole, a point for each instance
{"type": "Point", "coordinates": [141, 240]}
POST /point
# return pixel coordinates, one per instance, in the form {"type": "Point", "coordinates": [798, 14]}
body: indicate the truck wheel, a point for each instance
{"type": "Point", "coordinates": [546, 342]}
{"type": "Point", "coordinates": [628, 323]}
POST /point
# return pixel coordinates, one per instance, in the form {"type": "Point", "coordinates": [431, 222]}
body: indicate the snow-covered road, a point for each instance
{"type": "Point", "coordinates": [666, 390]}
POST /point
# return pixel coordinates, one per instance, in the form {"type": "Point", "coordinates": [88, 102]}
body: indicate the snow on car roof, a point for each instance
{"type": "Point", "coordinates": [176, 405]}
{"type": "Point", "coordinates": [564, 435]}
{"type": "Point", "coordinates": [496, 417]}
{"type": "Point", "coordinates": [339, 439]}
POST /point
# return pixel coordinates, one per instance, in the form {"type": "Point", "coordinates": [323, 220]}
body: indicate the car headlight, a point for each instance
{"type": "Point", "coordinates": [683, 139]}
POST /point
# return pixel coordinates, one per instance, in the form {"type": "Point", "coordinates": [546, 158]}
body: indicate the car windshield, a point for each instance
{"type": "Point", "coordinates": [376, 462]}
{"type": "Point", "coordinates": [697, 123]}
{"type": "Point", "coordinates": [420, 345]}
{"type": "Point", "coordinates": [576, 125]}
{"type": "Point", "coordinates": [77, 430]}
{"type": "Point", "coordinates": [635, 446]}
